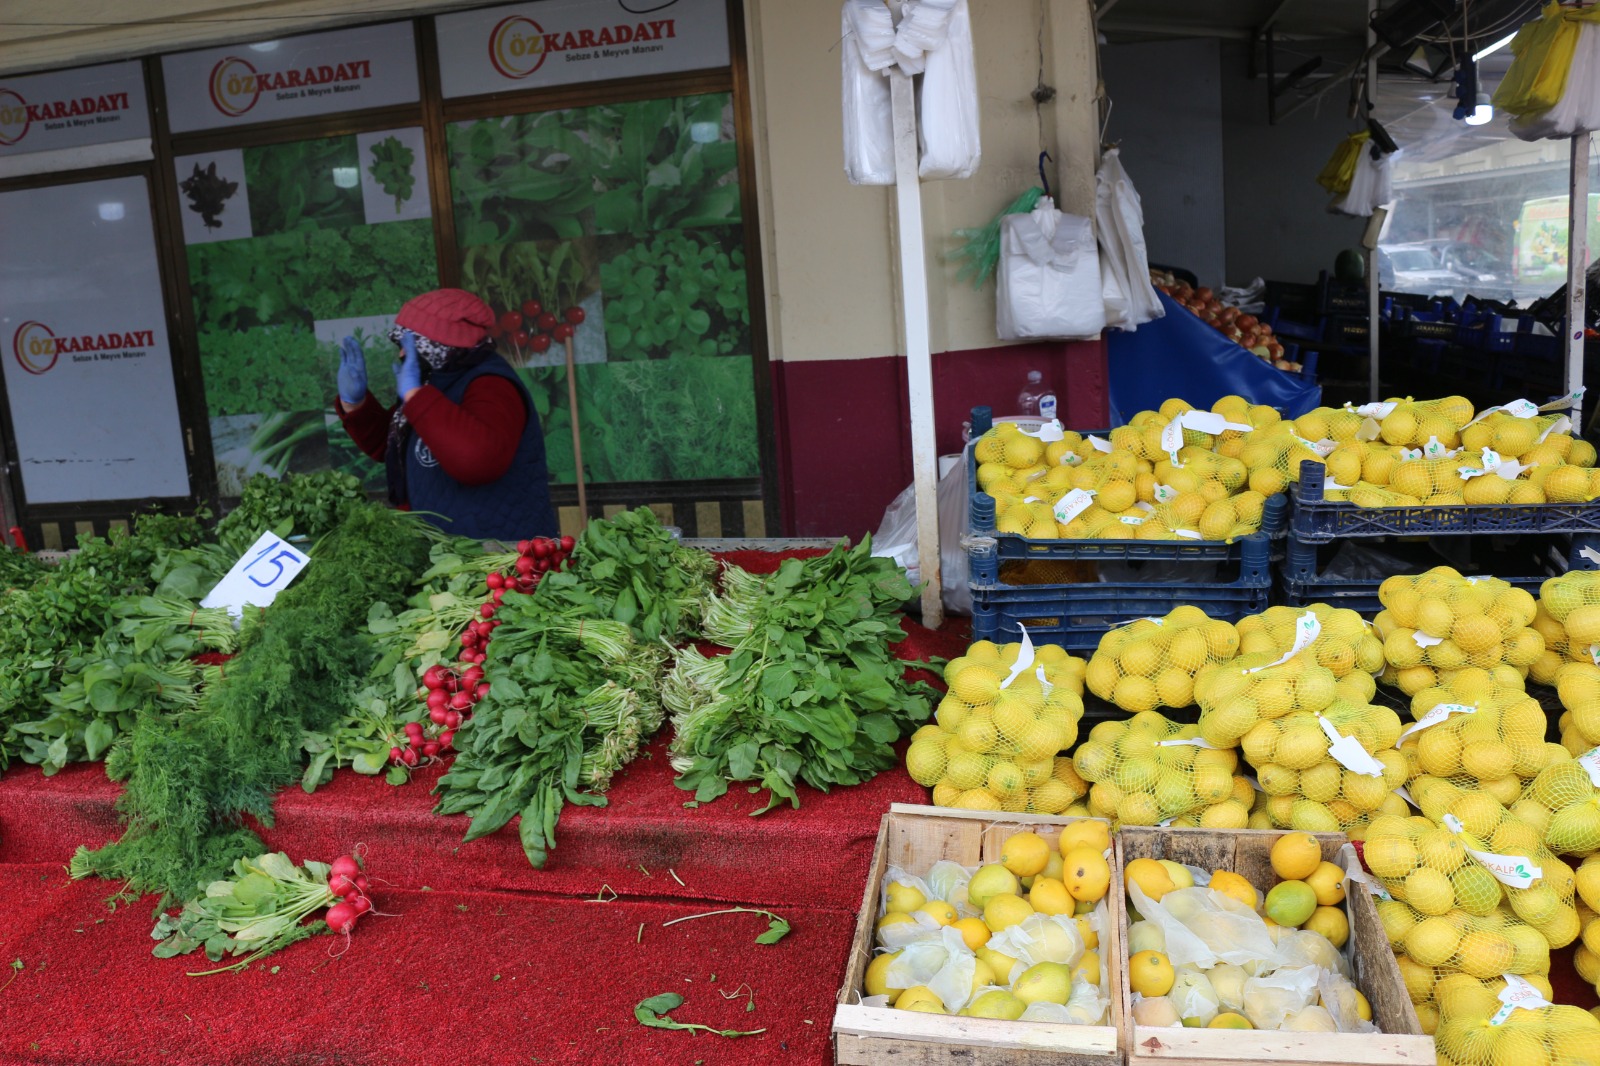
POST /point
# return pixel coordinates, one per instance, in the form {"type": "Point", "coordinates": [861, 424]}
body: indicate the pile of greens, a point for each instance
{"type": "Point", "coordinates": [190, 778]}
{"type": "Point", "coordinates": [257, 911]}
{"type": "Point", "coordinates": [309, 505]}
{"type": "Point", "coordinates": [811, 691]}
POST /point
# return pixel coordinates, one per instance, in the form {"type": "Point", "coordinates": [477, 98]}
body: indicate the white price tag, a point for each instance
{"type": "Point", "coordinates": [1187, 534]}
{"type": "Point", "coordinates": [1130, 520]}
{"type": "Point", "coordinates": [1433, 449]}
{"type": "Point", "coordinates": [1403, 794]}
{"type": "Point", "coordinates": [1044, 683]}
{"type": "Point", "coordinates": [1518, 994]}
{"type": "Point", "coordinates": [1560, 425]}
{"type": "Point", "coordinates": [1425, 641]}
{"type": "Point", "coordinates": [1144, 506]}
{"type": "Point", "coordinates": [1368, 430]}
{"type": "Point", "coordinates": [1513, 871]}
{"type": "Point", "coordinates": [1187, 742]}
{"type": "Point", "coordinates": [1211, 422]}
{"type": "Point", "coordinates": [265, 570]}
{"type": "Point", "coordinates": [1521, 409]}
{"type": "Point", "coordinates": [1565, 402]}
{"type": "Point", "coordinates": [1590, 761]}
{"type": "Point", "coordinates": [1348, 752]}
{"type": "Point", "coordinates": [1172, 439]}
{"type": "Point", "coordinates": [1410, 453]}
{"type": "Point", "coordinates": [1098, 444]}
{"type": "Point", "coordinates": [1438, 714]}
{"type": "Point", "coordinates": [1073, 504]}
{"type": "Point", "coordinates": [1511, 469]}
{"type": "Point", "coordinates": [1334, 486]}
{"type": "Point", "coordinates": [1048, 433]}
{"type": "Point", "coordinates": [1031, 499]}
{"type": "Point", "coordinates": [1377, 410]}
{"type": "Point", "coordinates": [1024, 659]}
{"type": "Point", "coordinates": [1324, 447]}
{"type": "Point", "coordinates": [1594, 653]}
{"type": "Point", "coordinates": [1070, 458]}
{"type": "Point", "coordinates": [1307, 628]}
{"type": "Point", "coordinates": [1165, 493]}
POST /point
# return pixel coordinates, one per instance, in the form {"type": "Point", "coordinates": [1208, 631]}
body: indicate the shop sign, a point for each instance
{"type": "Point", "coordinates": [315, 74]}
{"type": "Point", "coordinates": [73, 108]}
{"type": "Point", "coordinates": [559, 42]}
{"type": "Point", "coordinates": [83, 340]}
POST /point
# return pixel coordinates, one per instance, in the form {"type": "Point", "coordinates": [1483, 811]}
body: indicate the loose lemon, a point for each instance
{"type": "Point", "coordinates": [1004, 910]}
{"type": "Point", "coordinates": [904, 898]}
{"type": "Point", "coordinates": [1024, 854]}
{"type": "Point", "coordinates": [1086, 932]}
{"type": "Point", "coordinates": [1045, 982]}
{"type": "Point", "coordinates": [1331, 923]}
{"type": "Point", "coordinates": [997, 1004]}
{"type": "Point", "coordinates": [1150, 974]}
{"type": "Point", "coordinates": [875, 981]}
{"type": "Point", "coordinates": [989, 881]}
{"type": "Point", "coordinates": [920, 998]}
{"type": "Point", "coordinates": [1295, 856]}
{"type": "Point", "coordinates": [1050, 896]}
{"type": "Point", "coordinates": [1231, 884]}
{"type": "Point", "coordinates": [1290, 902]}
{"type": "Point", "coordinates": [973, 932]}
{"type": "Point", "coordinates": [1327, 881]}
{"type": "Point", "coordinates": [1085, 833]}
{"type": "Point", "coordinates": [938, 910]}
{"type": "Point", "coordinates": [1151, 877]}
{"type": "Point", "coordinates": [1088, 968]}
{"type": "Point", "coordinates": [1086, 874]}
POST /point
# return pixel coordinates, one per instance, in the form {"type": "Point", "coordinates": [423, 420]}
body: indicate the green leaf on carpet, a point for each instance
{"type": "Point", "coordinates": [653, 1012]}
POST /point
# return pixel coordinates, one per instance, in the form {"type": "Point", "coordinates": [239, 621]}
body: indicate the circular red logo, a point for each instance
{"type": "Point", "coordinates": [516, 46]}
{"type": "Point", "coordinates": [233, 86]}
{"type": "Point", "coordinates": [34, 345]}
{"type": "Point", "coordinates": [13, 116]}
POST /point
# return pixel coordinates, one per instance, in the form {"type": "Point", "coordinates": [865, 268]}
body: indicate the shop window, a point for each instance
{"type": "Point", "coordinates": [626, 218]}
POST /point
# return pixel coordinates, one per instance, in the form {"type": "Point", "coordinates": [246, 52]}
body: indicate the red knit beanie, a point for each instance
{"type": "Point", "coordinates": [448, 316]}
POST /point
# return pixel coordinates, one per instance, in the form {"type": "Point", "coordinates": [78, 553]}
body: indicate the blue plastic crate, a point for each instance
{"type": "Point", "coordinates": [1077, 616]}
{"type": "Point", "coordinates": [1316, 520]}
{"type": "Point", "coordinates": [1302, 582]}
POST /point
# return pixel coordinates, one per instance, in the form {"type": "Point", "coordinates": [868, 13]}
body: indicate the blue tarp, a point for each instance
{"type": "Point", "coordinates": [1182, 356]}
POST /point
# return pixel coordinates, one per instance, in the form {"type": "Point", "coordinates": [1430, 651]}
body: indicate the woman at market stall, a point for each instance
{"type": "Point", "coordinates": [464, 442]}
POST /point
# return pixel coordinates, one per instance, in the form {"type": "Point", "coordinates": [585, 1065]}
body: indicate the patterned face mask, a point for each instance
{"type": "Point", "coordinates": [432, 352]}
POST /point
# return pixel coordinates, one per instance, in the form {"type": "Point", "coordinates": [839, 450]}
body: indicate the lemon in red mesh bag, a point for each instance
{"type": "Point", "coordinates": [1441, 621]}
{"type": "Point", "coordinates": [1539, 887]}
{"type": "Point", "coordinates": [1478, 734]}
{"type": "Point", "coordinates": [996, 738]}
{"type": "Point", "coordinates": [1152, 662]}
{"type": "Point", "coordinates": [1148, 769]}
{"type": "Point", "coordinates": [1331, 771]}
{"type": "Point", "coordinates": [1345, 644]}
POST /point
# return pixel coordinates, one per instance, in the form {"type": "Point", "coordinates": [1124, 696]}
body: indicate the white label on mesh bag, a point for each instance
{"type": "Point", "coordinates": [1513, 871]}
{"type": "Point", "coordinates": [1511, 469]}
{"type": "Point", "coordinates": [1211, 422]}
{"type": "Point", "coordinates": [1439, 713]}
{"type": "Point", "coordinates": [1560, 425]}
{"type": "Point", "coordinates": [1131, 520]}
{"type": "Point", "coordinates": [1031, 499]}
{"type": "Point", "coordinates": [1491, 461]}
{"type": "Point", "coordinates": [1187, 534]}
{"type": "Point", "coordinates": [1070, 458]}
{"type": "Point", "coordinates": [1307, 628]}
{"type": "Point", "coordinates": [1565, 402]}
{"type": "Point", "coordinates": [1024, 658]}
{"type": "Point", "coordinates": [1376, 410]}
{"type": "Point", "coordinates": [1433, 449]}
{"type": "Point", "coordinates": [1143, 506]}
{"type": "Point", "coordinates": [1044, 684]}
{"type": "Point", "coordinates": [1172, 440]}
{"type": "Point", "coordinates": [1521, 409]}
{"type": "Point", "coordinates": [1049, 432]}
{"type": "Point", "coordinates": [1165, 493]}
{"type": "Point", "coordinates": [1098, 444]}
{"type": "Point", "coordinates": [1348, 752]}
{"type": "Point", "coordinates": [1334, 486]}
{"type": "Point", "coordinates": [1410, 453]}
{"type": "Point", "coordinates": [1590, 761]}
{"type": "Point", "coordinates": [1403, 794]}
{"type": "Point", "coordinates": [1073, 504]}
{"type": "Point", "coordinates": [1594, 649]}
{"type": "Point", "coordinates": [1518, 994]}
{"type": "Point", "coordinates": [1187, 742]}
{"type": "Point", "coordinates": [1368, 430]}
{"type": "Point", "coordinates": [1353, 871]}
{"type": "Point", "coordinates": [1425, 641]}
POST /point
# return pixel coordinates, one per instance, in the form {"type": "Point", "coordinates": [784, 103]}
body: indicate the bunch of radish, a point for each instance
{"type": "Point", "coordinates": [451, 691]}
{"type": "Point", "coordinates": [533, 329]}
{"type": "Point", "coordinates": [347, 881]}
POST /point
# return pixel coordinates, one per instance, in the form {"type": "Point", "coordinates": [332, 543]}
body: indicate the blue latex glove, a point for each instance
{"type": "Point", "coordinates": [408, 372]}
{"type": "Point", "coordinates": [352, 372]}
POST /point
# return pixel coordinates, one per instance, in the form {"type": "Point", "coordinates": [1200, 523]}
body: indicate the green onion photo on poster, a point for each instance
{"type": "Point", "coordinates": [291, 247]}
{"type": "Point", "coordinates": [622, 222]}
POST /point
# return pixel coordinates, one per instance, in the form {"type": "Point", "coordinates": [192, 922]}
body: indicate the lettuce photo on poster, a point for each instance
{"type": "Point", "coordinates": [312, 184]}
{"type": "Point", "coordinates": [681, 419]}
{"type": "Point", "coordinates": [684, 292]}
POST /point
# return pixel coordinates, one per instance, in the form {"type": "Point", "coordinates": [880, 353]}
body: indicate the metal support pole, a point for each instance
{"type": "Point", "coordinates": [1373, 386]}
{"type": "Point", "coordinates": [1577, 269]}
{"type": "Point", "coordinates": [914, 323]}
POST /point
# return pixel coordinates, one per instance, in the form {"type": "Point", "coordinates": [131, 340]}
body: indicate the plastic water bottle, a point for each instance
{"type": "Point", "coordinates": [1037, 398]}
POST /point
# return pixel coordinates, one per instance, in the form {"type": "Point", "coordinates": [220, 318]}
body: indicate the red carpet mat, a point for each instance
{"type": "Point", "coordinates": [457, 977]}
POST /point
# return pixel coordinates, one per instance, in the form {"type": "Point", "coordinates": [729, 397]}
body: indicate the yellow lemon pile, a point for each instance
{"type": "Point", "coordinates": [1472, 1033]}
{"type": "Point", "coordinates": [1569, 621]}
{"type": "Point", "coordinates": [1485, 734]}
{"type": "Point", "coordinates": [1439, 622]}
{"type": "Point", "coordinates": [1578, 685]}
{"type": "Point", "coordinates": [1148, 769]}
{"type": "Point", "coordinates": [1303, 787]}
{"type": "Point", "coordinates": [1238, 695]}
{"type": "Point", "coordinates": [1346, 643]}
{"type": "Point", "coordinates": [995, 744]}
{"type": "Point", "coordinates": [1152, 662]}
{"type": "Point", "coordinates": [1297, 922]}
{"type": "Point", "coordinates": [1029, 925]}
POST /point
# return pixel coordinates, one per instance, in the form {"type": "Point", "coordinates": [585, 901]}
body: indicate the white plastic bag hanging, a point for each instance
{"type": "Point", "coordinates": [947, 122]}
{"type": "Point", "coordinates": [1126, 291]}
{"type": "Point", "coordinates": [1578, 110]}
{"type": "Point", "coordinates": [1048, 279]}
{"type": "Point", "coordinates": [1371, 186]}
{"type": "Point", "coordinates": [868, 47]}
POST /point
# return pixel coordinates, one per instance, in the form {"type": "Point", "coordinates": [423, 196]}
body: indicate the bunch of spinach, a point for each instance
{"type": "Point", "coordinates": [679, 294]}
{"type": "Point", "coordinates": [518, 178]}
{"type": "Point", "coordinates": [663, 164]}
{"type": "Point", "coordinates": [292, 185]}
{"type": "Point", "coordinates": [391, 164]}
{"type": "Point", "coordinates": [811, 692]}
{"type": "Point", "coordinates": [311, 505]}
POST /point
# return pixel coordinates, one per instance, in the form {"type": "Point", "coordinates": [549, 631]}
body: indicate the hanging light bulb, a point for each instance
{"type": "Point", "coordinates": [1482, 112]}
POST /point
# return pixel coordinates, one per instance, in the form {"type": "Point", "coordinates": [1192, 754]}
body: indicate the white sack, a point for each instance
{"type": "Point", "coordinates": [1047, 283]}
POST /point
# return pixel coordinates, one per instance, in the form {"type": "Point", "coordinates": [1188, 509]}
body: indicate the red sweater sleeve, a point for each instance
{"type": "Point", "coordinates": [368, 425]}
{"type": "Point", "coordinates": [475, 440]}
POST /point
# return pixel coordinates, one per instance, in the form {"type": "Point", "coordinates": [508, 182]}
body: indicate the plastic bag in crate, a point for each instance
{"type": "Point", "coordinates": [1152, 662]}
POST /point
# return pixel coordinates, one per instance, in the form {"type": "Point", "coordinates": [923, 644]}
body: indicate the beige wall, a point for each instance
{"type": "Point", "coordinates": [829, 261]}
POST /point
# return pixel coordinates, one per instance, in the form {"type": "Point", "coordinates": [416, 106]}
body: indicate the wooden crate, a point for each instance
{"type": "Point", "coordinates": [1247, 852]}
{"type": "Point", "coordinates": [914, 838]}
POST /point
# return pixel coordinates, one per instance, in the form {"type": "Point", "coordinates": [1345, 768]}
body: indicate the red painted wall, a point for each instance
{"type": "Point", "coordinates": [844, 433]}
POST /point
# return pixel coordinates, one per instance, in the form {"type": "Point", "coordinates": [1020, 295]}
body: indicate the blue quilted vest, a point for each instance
{"type": "Point", "coordinates": [513, 508]}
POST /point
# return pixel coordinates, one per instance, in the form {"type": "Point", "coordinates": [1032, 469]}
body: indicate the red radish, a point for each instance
{"type": "Point", "coordinates": [532, 308]}
{"type": "Point", "coordinates": [394, 755]}
{"type": "Point", "coordinates": [494, 581]}
{"type": "Point", "coordinates": [361, 882]}
{"type": "Point", "coordinates": [540, 342]}
{"type": "Point", "coordinates": [481, 691]}
{"type": "Point", "coordinates": [567, 544]}
{"type": "Point", "coordinates": [524, 546]}
{"type": "Point", "coordinates": [546, 322]}
{"type": "Point", "coordinates": [344, 866]}
{"type": "Point", "coordinates": [412, 728]}
{"type": "Point", "coordinates": [520, 338]}
{"type": "Point", "coordinates": [438, 715]}
{"type": "Point", "coordinates": [524, 565]}
{"type": "Point", "coordinates": [359, 904]}
{"type": "Point", "coordinates": [447, 738]}
{"type": "Point", "coordinates": [473, 674]}
{"type": "Point", "coordinates": [487, 610]}
{"type": "Point", "coordinates": [461, 701]}
{"type": "Point", "coordinates": [409, 757]}
{"type": "Point", "coordinates": [340, 885]}
{"type": "Point", "coordinates": [430, 749]}
{"type": "Point", "coordinates": [341, 917]}
{"type": "Point", "coordinates": [541, 548]}
{"type": "Point", "coordinates": [452, 719]}
{"type": "Point", "coordinates": [432, 677]}
{"type": "Point", "coordinates": [438, 698]}
{"type": "Point", "coordinates": [510, 321]}
{"type": "Point", "coordinates": [469, 637]}
{"type": "Point", "coordinates": [563, 332]}
{"type": "Point", "coordinates": [499, 595]}
{"type": "Point", "coordinates": [575, 315]}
